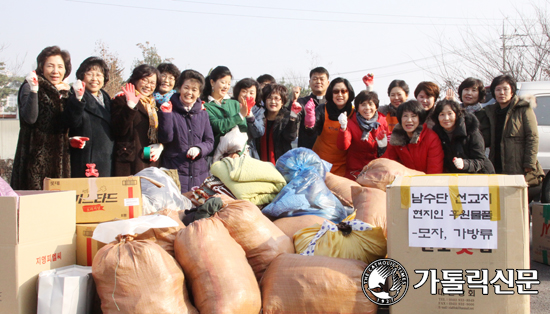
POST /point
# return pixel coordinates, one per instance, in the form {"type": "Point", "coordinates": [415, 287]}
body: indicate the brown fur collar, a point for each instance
{"type": "Point", "coordinates": [400, 138]}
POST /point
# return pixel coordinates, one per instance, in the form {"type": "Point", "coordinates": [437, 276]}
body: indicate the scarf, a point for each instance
{"type": "Point", "coordinates": [161, 99]}
{"type": "Point", "coordinates": [473, 109]}
{"type": "Point", "coordinates": [150, 105]}
{"type": "Point", "coordinates": [367, 125]}
{"type": "Point", "coordinates": [266, 144]}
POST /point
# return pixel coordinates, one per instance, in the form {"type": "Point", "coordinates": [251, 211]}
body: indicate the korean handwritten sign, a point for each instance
{"type": "Point", "coordinates": [432, 222]}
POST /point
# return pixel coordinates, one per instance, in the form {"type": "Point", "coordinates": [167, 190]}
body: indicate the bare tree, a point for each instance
{"type": "Point", "coordinates": [150, 55]}
{"type": "Point", "coordinates": [115, 68]}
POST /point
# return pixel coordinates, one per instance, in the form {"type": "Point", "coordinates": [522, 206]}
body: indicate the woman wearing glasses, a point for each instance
{"type": "Point", "coordinates": [135, 123]}
{"type": "Point", "coordinates": [323, 120]}
{"type": "Point", "coordinates": [281, 125]}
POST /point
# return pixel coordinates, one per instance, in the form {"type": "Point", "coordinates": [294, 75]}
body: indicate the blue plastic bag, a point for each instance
{"type": "Point", "coordinates": [306, 192]}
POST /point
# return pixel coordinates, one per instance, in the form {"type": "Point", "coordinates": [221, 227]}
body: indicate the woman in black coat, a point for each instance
{"type": "Point", "coordinates": [88, 117]}
{"type": "Point", "coordinates": [461, 139]}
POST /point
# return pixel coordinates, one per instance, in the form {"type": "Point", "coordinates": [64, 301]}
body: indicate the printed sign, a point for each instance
{"type": "Point", "coordinates": [432, 222]}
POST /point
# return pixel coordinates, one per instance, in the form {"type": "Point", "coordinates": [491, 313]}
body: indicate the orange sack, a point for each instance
{"type": "Point", "coordinates": [341, 188]}
{"type": "Point", "coordinates": [216, 268]}
{"type": "Point", "coordinates": [261, 240]}
{"type": "Point", "coordinates": [382, 171]}
{"type": "Point", "coordinates": [370, 204]}
{"type": "Point", "coordinates": [291, 225]}
{"type": "Point", "coordinates": [164, 237]}
{"type": "Point", "coordinates": [314, 284]}
{"type": "Point", "coordinates": [139, 277]}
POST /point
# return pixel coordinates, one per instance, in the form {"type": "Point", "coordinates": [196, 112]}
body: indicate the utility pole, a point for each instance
{"type": "Point", "coordinates": [504, 48]}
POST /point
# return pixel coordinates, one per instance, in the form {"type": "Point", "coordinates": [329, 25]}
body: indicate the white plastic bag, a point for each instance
{"type": "Point", "coordinates": [232, 141]}
{"type": "Point", "coordinates": [66, 290]}
{"type": "Point", "coordinates": [108, 231]}
{"type": "Point", "coordinates": [158, 198]}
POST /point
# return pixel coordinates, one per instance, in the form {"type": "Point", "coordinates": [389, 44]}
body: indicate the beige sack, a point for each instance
{"type": "Point", "coordinates": [341, 188]}
{"type": "Point", "coordinates": [261, 240]}
{"type": "Point", "coordinates": [370, 204]}
{"type": "Point", "coordinates": [216, 268]}
{"type": "Point", "coordinates": [164, 237]}
{"type": "Point", "coordinates": [139, 277]}
{"type": "Point", "coordinates": [314, 284]}
{"type": "Point", "coordinates": [382, 171]}
{"type": "Point", "coordinates": [291, 225]}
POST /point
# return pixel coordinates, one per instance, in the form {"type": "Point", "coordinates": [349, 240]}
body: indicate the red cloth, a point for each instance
{"type": "Point", "coordinates": [360, 153]}
{"type": "Point", "coordinates": [267, 139]}
{"type": "Point", "coordinates": [426, 155]}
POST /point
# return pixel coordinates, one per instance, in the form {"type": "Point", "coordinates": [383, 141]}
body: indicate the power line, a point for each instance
{"type": "Point", "coordinates": [269, 17]}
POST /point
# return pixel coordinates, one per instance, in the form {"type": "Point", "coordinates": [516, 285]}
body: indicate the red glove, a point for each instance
{"type": "Point", "coordinates": [91, 171]}
{"type": "Point", "coordinates": [382, 139]}
{"type": "Point", "coordinates": [166, 107]}
{"type": "Point", "coordinates": [78, 141]}
{"type": "Point", "coordinates": [309, 120]}
{"type": "Point", "coordinates": [131, 98]}
{"type": "Point", "coordinates": [250, 102]}
{"type": "Point", "coordinates": [296, 107]}
{"type": "Point", "coordinates": [369, 81]}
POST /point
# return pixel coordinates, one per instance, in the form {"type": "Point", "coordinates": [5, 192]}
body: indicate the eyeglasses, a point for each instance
{"type": "Point", "coordinates": [167, 77]}
{"type": "Point", "coordinates": [340, 91]}
{"type": "Point", "coordinates": [146, 82]}
{"type": "Point", "coordinates": [274, 99]}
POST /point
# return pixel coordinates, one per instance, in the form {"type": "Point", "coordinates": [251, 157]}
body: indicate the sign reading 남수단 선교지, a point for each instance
{"type": "Point", "coordinates": [432, 221]}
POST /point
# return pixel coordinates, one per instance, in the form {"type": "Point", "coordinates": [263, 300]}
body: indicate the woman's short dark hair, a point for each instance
{"type": "Point", "coordinates": [431, 89]}
{"type": "Point", "coordinates": [399, 83]}
{"type": "Point", "coordinates": [455, 107]}
{"type": "Point", "coordinates": [93, 63]}
{"type": "Point", "coordinates": [319, 70]}
{"type": "Point", "coordinates": [247, 83]}
{"type": "Point", "coordinates": [366, 96]}
{"type": "Point", "coordinates": [348, 86]}
{"type": "Point", "coordinates": [53, 51]}
{"type": "Point", "coordinates": [503, 79]}
{"type": "Point", "coordinates": [216, 74]}
{"type": "Point", "coordinates": [142, 71]}
{"type": "Point", "coordinates": [476, 84]}
{"type": "Point", "coordinates": [169, 68]}
{"type": "Point", "coordinates": [266, 78]}
{"type": "Point", "coordinates": [189, 75]}
{"type": "Point", "coordinates": [275, 89]}
{"type": "Point", "coordinates": [412, 106]}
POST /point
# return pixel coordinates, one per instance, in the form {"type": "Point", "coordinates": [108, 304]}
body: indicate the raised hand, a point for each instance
{"type": "Point", "coordinates": [309, 119]}
{"type": "Point", "coordinates": [459, 163]}
{"type": "Point", "coordinates": [79, 88]}
{"type": "Point", "coordinates": [382, 139]}
{"type": "Point", "coordinates": [250, 102]}
{"type": "Point", "coordinates": [296, 107]}
{"type": "Point", "coordinates": [450, 94]}
{"type": "Point", "coordinates": [166, 107]}
{"type": "Point", "coordinates": [131, 98]}
{"type": "Point", "coordinates": [78, 141]}
{"type": "Point", "coordinates": [32, 79]}
{"type": "Point", "coordinates": [369, 81]}
{"type": "Point", "coordinates": [156, 150]}
{"type": "Point", "coordinates": [343, 119]}
{"type": "Point", "coordinates": [193, 152]}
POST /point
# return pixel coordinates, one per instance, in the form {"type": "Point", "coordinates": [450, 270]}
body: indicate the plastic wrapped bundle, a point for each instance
{"type": "Point", "coordinates": [158, 198]}
{"type": "Point", "coordinates": [298, 159]}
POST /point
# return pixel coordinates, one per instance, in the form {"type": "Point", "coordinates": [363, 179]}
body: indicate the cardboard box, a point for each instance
{"type": "Point", "coordinates": [541, 238]}
{"type": "Point", "coordinates": [508, 208]}
{"type": "Point", "coordinates": [102, 199]}
{"type": "Point", "coordinates": [37, 234]}
{"type": "Point", "coordinates": [86, 247]}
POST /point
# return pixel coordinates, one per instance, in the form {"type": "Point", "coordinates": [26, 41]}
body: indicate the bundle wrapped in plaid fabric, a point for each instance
{"type": "Point", "coordinates": [211, 186]}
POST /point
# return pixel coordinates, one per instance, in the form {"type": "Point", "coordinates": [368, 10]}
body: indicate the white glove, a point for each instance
{"type": "Point", "coordinates": [459, 163]}
{"type": "Point", "coordinates": [32, 79]}
{"type": "Point", "coordinates": [383, 142]}
{"type": "Point", "coordinates": [156, 150]}
{"type": "Point", "coordinates": [343, 119]}
{"type": "Point", "coordinates": [193, 152]}
{"type": "Point", "coordinates": [79, 88]}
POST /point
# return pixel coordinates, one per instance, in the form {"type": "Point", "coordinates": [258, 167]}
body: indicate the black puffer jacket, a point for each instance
{"type": "Point", "coordinates": [467, 143]}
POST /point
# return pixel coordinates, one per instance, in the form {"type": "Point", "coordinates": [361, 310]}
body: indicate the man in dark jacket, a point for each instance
{"type": "Point", "coordinates": [318, 82]}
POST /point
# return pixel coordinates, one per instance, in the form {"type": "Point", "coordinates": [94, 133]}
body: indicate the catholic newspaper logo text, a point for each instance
{"type": "Point", "coordinates": [385, 281]}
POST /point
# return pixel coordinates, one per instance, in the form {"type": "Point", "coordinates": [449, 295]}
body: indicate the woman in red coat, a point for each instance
{"type": "Point", "coordinates": [412, 143]}
{"type": "Point", "coordinates": [364, 137]}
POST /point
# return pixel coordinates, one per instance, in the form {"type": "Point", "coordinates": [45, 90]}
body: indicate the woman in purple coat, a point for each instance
{"type": "Point", "coordinates": [185, 131]}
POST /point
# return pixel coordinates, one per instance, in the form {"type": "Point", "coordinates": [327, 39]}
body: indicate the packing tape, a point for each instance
{"type": "Point", "coordinates": [546, 213]}
{"type": "Point", "coordinates": [147, 153]}
{"type": "Point", "coordinates": [545, 257]}
{"type": "Point", "coordinates": [406, 193]}
{"type": "Point", "coordinates": [494, 191]}
{"type": "Point", "coordinates": [92, 189]}
{"type": "Point", "coordinates": [453, 193]}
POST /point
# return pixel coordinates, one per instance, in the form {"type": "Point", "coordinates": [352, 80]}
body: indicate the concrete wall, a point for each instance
{"type": "Point", "coordinates": [9, 133]}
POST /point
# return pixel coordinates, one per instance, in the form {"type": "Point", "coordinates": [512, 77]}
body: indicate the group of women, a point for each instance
{"type": "Point", "coordinates": [164, 117]}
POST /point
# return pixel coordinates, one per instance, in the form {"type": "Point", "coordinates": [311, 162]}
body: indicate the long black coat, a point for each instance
{"type": "Point", "coordinates": [467, 143]}
{"type": "Point", "coordinates": [90, 119]}
{"type": "Point", "coordinates": [283, 133]}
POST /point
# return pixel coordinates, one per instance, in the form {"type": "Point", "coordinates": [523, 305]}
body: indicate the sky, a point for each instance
{"type": "Point", "coordinates": [392, 39]}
